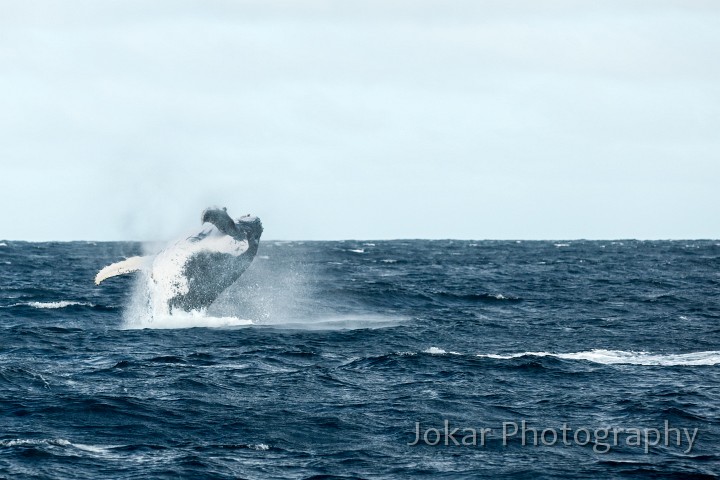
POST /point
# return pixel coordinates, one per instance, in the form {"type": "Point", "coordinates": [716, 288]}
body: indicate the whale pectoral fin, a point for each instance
{"type": "Point", "coordinates": [129, 265]}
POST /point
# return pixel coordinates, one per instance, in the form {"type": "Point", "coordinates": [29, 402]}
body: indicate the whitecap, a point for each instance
{"type": "Point", "coordinates": [14, 442]}
{"type": "Point", "coordinates": [435, 351]}
{"type": "Point", "coordinates": [620, 357]}
{"type": "Point", "coordinates": [60, 304]}
{"type": "Point", "coordinates": [357, 250]}
{"type": "Point", "coordinates": [52, 443]}
{"type": "Point", "coordinates": [438, 351]}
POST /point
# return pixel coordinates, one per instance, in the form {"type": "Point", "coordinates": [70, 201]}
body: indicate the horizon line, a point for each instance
{"type": "Point", "coordinates": [622, 239]}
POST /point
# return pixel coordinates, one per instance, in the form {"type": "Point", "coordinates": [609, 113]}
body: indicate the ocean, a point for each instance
{"type": "Point", "coordinates": [381, 359]}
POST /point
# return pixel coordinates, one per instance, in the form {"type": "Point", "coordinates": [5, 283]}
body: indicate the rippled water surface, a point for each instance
{"type": "Point", "coordinates": [327, 357]}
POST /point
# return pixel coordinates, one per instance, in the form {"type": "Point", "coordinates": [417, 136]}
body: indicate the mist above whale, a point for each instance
{"type": "Point", "coordinates": [190, 273]}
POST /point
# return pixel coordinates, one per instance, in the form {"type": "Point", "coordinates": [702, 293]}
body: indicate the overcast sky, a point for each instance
{"type": "Point", "coordinates": [361, 119]}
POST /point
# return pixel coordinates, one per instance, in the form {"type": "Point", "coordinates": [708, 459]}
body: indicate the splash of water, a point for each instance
{"type": "Point", "coordinates": [148, 307]}
{"type": "Point", "coordinates": [276, 294]}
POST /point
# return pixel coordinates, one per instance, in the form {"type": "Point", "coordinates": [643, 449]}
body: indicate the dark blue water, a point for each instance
{"type": "Point", "coordinates": [351, 345]}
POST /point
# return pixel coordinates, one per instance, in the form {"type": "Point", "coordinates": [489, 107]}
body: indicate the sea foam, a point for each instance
{"type": "Point", "coordinates": [191, 319]}
{"type": "Point", "coordinates": [59, 304]}
{"type": "Point", "coordinates": [620, 357]}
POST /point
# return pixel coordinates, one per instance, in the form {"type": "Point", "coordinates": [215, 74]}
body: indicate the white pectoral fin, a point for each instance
{"type": "Point", "coordinates": [129, 265]}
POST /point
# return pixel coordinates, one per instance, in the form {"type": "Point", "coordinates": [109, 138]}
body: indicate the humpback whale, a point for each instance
{"type": "Point", "coordinates": [190, 273]}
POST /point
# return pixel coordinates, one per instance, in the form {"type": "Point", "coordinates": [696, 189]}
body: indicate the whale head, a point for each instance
{"type": "Point", "coordinates": [251, 226]}
{"type": "Point", "coordinates": [247, 227]}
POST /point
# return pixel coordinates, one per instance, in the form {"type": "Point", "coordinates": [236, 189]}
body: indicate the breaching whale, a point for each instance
{"type": "Point", "coordinates": [190, 273]}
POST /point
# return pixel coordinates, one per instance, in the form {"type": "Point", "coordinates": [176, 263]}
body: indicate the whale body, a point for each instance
{"type": "Point", "coordinates": [190, 273]}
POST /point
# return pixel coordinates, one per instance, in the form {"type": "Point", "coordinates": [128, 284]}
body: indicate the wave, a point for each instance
{"type": "Point", "coordinates": [620, 357]}
{"type": "Point", "coordinates": [60, 442]}
{"type": "Point", "coordinates": [51, 442]}
{"type": "Point", "coordinates": [438, 351]}
{"type": "Point", "coordinates": [51, 305]}
{"type": "Point", "coordinates": [609, 357]}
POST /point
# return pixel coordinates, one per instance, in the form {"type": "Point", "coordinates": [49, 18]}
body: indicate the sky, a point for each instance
{"type": "Point", "coordinates": [373, 119]}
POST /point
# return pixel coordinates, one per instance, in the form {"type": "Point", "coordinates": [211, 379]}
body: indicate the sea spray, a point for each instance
{"type": "Point", "coordinates": [147, 310]}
